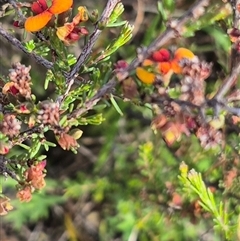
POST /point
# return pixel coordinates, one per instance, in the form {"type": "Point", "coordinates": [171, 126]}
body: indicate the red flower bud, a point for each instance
{"type": "Point", "coordinates": [73, 37]}
{"type": "Point", "coordinates": [16, 24]}
{"type": "Point", "coordinates": [83, 31]}
{"type": "Point", "coordinates": [39, 6]}
{"type": "Point", "coordinates": [121, 64]}
{"type": "Point", "coordinates": [162, 55]}
{"type": "Point", "coordinates": [13, 90]}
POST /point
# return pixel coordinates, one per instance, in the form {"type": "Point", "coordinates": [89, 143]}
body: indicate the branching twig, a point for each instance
{"type": "Point", "coordinates": [235, 13]}
{"type": "Point", "coordinates": [235, 67]}
{"type": "Point", "coordinates": [92, 39]}
{"type": "Point", "coordinates": [47, 64]}
{"type": "Point", "coordinates": [4, 170]}
{"type": "Point", "coordinates": [107, 88]}
{"type": "Point", "coordinates": [61, 98]}
{"type": "Point", "coordinates": [227, 84]}
{"type": "Point", "coordinates": [235, 26]}
{"type": "Point", "coordinates": [17, 9]}
{"type": "Point", "coordinates": [156, 44]}
{"type": "Point", "coordinates": [175, 28]}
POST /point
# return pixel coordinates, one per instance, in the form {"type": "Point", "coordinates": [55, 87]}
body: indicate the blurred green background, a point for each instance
{"type": "Point", "coordinates": [123, 183]}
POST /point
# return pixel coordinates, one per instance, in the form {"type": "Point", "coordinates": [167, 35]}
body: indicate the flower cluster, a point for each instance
{"type": "Point", "coordinates": [20, 81]}
{"type": "Point", "coordinates": [171, 128]}
{"type": "Point", "coordinates": [10, 125]}
{"type": "Point", "coordinates": [209, 137]}
{"type": "Point", "coordinates": [71, 32]}
{"type": "Point", "coordinates": [34, 179]}
{"type": "Point", "coordinates": [193, 85]}
{"type": "Point", "coordinates": [172, 121]}
{"type": "Point", "coordinates": [48, 113]}
{"type": "Point", "coordinates": [161, 63]}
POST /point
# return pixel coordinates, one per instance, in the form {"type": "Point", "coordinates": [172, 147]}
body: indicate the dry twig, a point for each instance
{"type": "Point", "coordinates": [111, 4]}
{"type": "Point", "coordinates": [15, 42]}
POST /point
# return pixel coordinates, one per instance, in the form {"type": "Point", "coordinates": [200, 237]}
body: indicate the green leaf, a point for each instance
{"type": "Point", "coordinates": [24, 146]}
{"type": "Point", "coordinates": [34, 150]}
{"type": "Point", "coordinates": [118, 24]}
{"type": "Point", "coordinates": [30, 45]}
{"type": "Point", "coordinates": [115, 105]}
{"type": "Point", "coordinates": [118, 10]}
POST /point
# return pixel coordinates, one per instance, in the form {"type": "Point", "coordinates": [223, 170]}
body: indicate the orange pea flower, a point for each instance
{"type": "Point", "coordinates": [143, 74]}
{"type": "Point", "coordinates": [25, 195]}
{"type": "Point", "coordinates": [162, 63]}
{"type": "Point", "coordinates": [70, 32]}
{"type": "Point", "coordinates": [164, 67]}
{"type": "Point", "coordinates": [181, 53]}
{"type": "Point", "coordinates": [5, 205]}
{"type": "Point", "coordinates": [163, 57]}
{"type": "Point", "coordinates": [44, 13]}
{"type": "Point", "coordinates": [10, 88]}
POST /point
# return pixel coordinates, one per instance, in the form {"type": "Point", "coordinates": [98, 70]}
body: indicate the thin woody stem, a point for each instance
{"type": "Point", "coordinates": [17, 9]}
{"type": "Point", "coordinates": [235, 25]}
{"type": "Point", "coordinates": [14, 41]}
{"type": "Point", "coordinates": [111, 4]}
{"type": "Point", "coordinates": [106, 89]}
{"type": "Point", "coordinates": [4, 170]}
{"type": "Point", "coordinates": [227, 83]}
{"type": "Point", "coordinates": [235, 67]}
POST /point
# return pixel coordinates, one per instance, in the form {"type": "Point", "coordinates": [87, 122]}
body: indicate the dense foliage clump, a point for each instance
{"type": "Point", "coordinates": [121, 129]}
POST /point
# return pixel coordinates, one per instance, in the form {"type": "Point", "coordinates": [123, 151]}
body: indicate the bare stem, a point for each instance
{"type": "Point", "coordinates": [4, 170]}
{"type": "Point", "coordinates": [111, 4]}
{"type": "Point", "coordinates": [14, 41]}
{"type": "Point", "coordinates": [107, 88]}
{"type": "Point", "coordinates": [17, 9]}
{"type": "Point", "coordinates": [227, 83]}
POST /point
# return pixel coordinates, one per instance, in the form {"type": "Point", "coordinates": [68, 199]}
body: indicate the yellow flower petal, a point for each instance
{"type": "Point", "coordinates": [64, 31]}
{"type": "Point", "coordinates": [82, 16]}
{"type": "Point", "coordinates": [38, 22]}
{"type": "Point", "coordinates": [7, 87]}
{"type": "Point", "coordinates": [178, 55]}
{"type": "Point", "coordinates": [60, 6]}
{"type": "Point", "coordinates": [183, 53]}
{"type": "Point", "coordinates": [145, 76]}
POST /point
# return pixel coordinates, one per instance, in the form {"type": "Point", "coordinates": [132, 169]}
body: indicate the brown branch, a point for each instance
{"type": "Point", "coordinates": [194, 12]}
{"type": "Point", "coordinates": [235, 26]}
{"type": "Point", "coordinates": [235, 13]}
{"type": "Point", "coordinates": [227, 83]}
{"type": "Point", "coordinates": [17, 9]}
{"type": "Point", "coordinates": [87, 49]}
{"type": "Point", "coordinates": [14, 41]}
{"type": "Point", "coordinates": [235, 67]}
{"type": "Point", "coordinates": [106, 89]}
{"type": "Point", "coordinates": [4, 170]}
